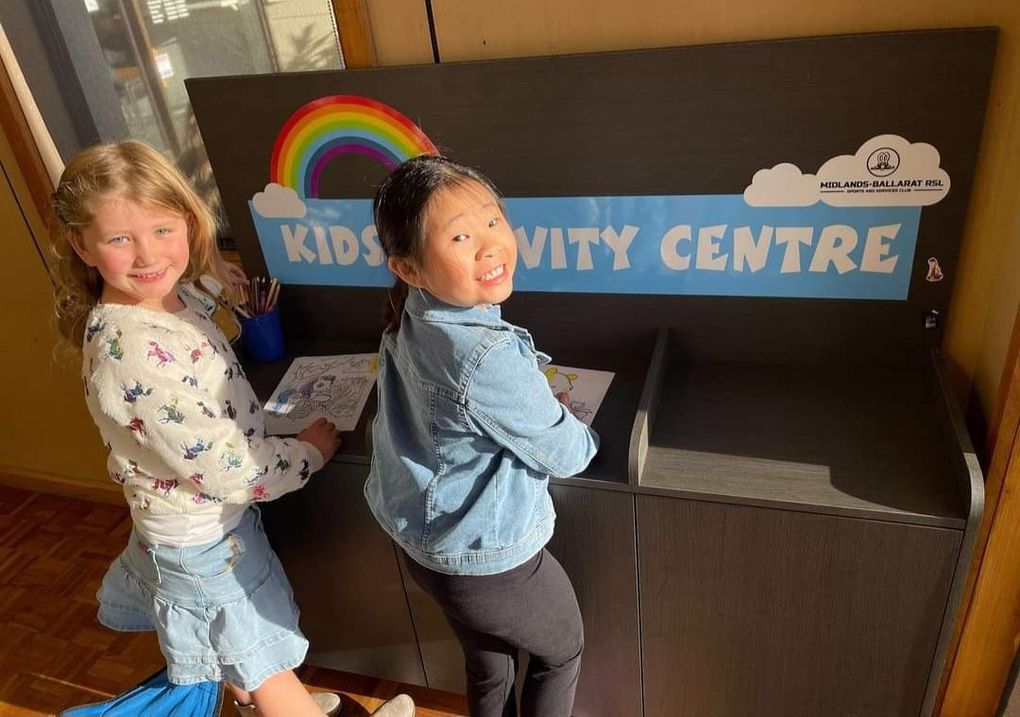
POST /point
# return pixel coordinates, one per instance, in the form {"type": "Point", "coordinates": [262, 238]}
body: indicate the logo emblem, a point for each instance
{"type": "Point", "coordinates": [883, 161]}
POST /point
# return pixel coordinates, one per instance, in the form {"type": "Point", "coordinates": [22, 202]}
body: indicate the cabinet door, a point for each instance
{"type": "Point", "coordinates": [441, 655]}
{"type": "Point", "coordinates": [595, 543]}
{"type": "Point", "coordinates": [343, 568]}
{"type": "Point", "coordinates": [753, 611]}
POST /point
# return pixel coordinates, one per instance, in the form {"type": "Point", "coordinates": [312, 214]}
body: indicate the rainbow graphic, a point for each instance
{"type": "Point", "coordinates": [341, 124]}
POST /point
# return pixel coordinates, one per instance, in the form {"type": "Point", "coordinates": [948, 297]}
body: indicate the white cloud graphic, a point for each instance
{"type": "Point", "coordinates": [782, 186]}
{"type": "Point", "coordinates": [279, 202]}
{"type": "Point", "coordinates": [896, 171]}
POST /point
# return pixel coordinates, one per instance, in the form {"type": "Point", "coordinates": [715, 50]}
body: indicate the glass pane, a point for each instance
{"type": "Point", "coordinates": [152, 46]}
{"type": "Point", "coordinates": [115, 41]}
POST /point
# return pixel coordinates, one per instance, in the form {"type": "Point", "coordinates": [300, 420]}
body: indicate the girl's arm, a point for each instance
{"type": "Point", "coordinates": [193, 433]}
{"type": "Point", "coordinates": [510, 400]}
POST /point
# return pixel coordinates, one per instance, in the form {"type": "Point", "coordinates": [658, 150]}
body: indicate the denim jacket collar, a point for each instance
{"type": "Point", "coordinates": [427, 307]}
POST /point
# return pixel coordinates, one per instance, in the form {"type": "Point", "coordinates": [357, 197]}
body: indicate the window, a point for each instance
{"type": "Point", "coordinates": [104, 70]}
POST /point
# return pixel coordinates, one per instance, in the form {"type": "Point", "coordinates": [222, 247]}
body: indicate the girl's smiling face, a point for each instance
{"type": "Point", "coordinates": [470, 250]}
{"type": "Point", "coordinates": [140, 251]}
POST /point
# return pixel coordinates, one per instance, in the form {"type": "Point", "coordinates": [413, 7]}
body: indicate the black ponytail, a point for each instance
{"type": "Point", "coordinates": [396, 297]}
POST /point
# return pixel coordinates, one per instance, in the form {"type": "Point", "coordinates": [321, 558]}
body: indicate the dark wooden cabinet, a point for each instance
{"type": "Point", "coordinates": [441, 656]}
{"type": "Point", "coordinates": [755, 611]}
{"type": "Point", "coordinates": [743, 609]}
{"type": "Point", "coordinates": [344, 571]}
{"type": "Point", "coordinates": [741, 574]}
{"type": "Point", "coordinates": [594, 541]}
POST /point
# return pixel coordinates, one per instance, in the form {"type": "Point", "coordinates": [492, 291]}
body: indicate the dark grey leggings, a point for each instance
{"type": "Point", "coordinates": [531, 607]}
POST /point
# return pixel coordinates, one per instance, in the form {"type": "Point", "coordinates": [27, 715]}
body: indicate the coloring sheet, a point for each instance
{"type": "Point", "coordinates": [331, 387]}
{"type": "Point", "coordinates": [584, 388]}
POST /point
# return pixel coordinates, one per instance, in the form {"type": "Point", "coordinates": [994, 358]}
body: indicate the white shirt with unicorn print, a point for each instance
{"type": "Point", "coordinates": [185, 431]}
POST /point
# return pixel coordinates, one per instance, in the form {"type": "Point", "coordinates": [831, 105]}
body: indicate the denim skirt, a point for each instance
{"type": "Point", "coordinates": [222, 611]}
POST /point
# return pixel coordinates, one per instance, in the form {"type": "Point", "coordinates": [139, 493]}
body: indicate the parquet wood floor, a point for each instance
{"type": "Point", "coordinates": [54, 654]}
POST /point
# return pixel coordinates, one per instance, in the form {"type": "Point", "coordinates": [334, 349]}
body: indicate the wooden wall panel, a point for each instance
{"type": "Point", "coordinates": [400, 30]}
{"type": "Point", "coordinates": [45, 429]}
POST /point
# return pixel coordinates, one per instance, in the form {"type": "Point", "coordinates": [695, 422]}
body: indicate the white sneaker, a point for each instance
{"type": "Point", "coordinates": [399, 706]}
{"type": "Point", "coordinates": [328, 702]}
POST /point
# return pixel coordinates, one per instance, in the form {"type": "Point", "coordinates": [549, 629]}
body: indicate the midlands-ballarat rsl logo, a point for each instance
{"type": "Point", "coordinates": [887, 170]}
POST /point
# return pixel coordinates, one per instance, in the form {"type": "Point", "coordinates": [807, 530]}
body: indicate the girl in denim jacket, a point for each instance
{"type": "Point", "coordinates": [466, 437]}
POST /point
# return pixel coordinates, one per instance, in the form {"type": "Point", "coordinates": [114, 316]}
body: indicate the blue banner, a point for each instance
{"type": "Point", "coordinates": [694, 245]}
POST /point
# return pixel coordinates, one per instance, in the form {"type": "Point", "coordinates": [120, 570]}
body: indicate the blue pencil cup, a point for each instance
{"type": "Point", "coordinates": [262, 336]}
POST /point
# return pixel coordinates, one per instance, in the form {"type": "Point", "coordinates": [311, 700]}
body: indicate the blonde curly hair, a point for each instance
{"type": "Point", "coordinates": [136, 172]}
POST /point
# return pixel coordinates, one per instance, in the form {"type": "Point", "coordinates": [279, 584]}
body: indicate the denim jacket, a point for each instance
{"type": "Point", "coordinates": [466, 436]}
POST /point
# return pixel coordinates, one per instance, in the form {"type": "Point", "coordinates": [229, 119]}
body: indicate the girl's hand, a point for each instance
{"type": "Point", "coordinates": [564, 398]}
{"type": "Point", "coordinates": [323, 435]}
{"type": "Point", "coordinates": [235, 273]}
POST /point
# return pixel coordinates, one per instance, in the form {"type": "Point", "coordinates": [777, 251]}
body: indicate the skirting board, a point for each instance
{"type": "Point", "coordinates": [103, 491]}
